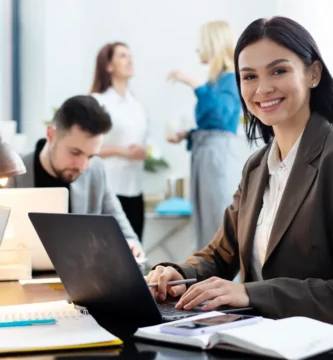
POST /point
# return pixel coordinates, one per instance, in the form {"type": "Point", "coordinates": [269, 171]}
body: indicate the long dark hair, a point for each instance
{"type": "Point", "coordinates": [102, 79]}
{"type": "Point", "coordinates": [293, 36]}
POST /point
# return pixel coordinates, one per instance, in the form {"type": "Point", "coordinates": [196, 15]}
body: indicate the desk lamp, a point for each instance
{"type": "Point", "coordinates": [11, 163]}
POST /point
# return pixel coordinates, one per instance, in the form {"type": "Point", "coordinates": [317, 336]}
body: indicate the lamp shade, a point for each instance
{"type": "Point", "coordinates": [11, 163]}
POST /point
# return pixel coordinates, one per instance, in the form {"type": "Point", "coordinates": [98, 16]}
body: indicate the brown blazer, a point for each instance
{"type": "Point", "coordinates": [298, 270]}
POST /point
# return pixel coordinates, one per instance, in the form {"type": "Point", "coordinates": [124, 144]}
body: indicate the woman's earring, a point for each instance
{"type": "Point", "coordinates": [314, 85]}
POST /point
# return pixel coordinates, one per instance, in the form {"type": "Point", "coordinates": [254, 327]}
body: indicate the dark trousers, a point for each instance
{"type": "Point", "coordinates": [135, 212]}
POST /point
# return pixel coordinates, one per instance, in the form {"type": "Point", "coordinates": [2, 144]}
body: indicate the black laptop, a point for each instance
{"type": "Point", "coordinates": [95, 264]}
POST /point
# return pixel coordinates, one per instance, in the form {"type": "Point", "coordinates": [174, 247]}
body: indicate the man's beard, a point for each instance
{"type": "Point", "coordinates": [66, 175]}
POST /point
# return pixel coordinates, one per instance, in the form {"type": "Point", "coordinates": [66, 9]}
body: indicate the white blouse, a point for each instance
{"type": "Point", "coordinates": [129, 127]}
{"type": "Point", "coordinates": [278, 176]}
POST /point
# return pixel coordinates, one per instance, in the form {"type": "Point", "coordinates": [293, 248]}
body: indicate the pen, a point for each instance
{"type": "Point", "coordinates": [28, 323]}
{"type": "Point", "coordinates": [176, 282]}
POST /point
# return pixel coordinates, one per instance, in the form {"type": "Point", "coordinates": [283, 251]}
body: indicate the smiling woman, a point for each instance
{"type": "Point", "coordinates": [289, 62]}
{"type": "Point", "coordinates": [278, 231]}
{"type": "Point", "coordinates": [276, 91]}
{"type": "Point", "coordinates": [274, 68]}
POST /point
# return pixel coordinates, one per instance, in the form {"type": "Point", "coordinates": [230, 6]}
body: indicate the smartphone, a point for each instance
{"type": "Point", "coordinates": [209, 325]}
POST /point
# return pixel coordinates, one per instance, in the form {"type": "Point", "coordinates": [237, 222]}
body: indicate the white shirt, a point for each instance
{"type": "Point", "coordinates": [278, 176]}
{"type": "Point", "coordinates": [129, 126]}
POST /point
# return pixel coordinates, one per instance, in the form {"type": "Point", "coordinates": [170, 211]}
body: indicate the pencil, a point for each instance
{"type": "Point", "coordinates": [176, 282]}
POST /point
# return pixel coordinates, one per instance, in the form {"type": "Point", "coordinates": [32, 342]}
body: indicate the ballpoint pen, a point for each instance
{"type": "Point", "coordinates": [176, 282]}
{"type": "Point", "coordinates": [28, 323]}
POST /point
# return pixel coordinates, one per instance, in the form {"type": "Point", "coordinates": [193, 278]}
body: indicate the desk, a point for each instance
{"type": "Point", "coordinates": [12, 293]}
{"type": "Point", "coordinates": [171, 225]}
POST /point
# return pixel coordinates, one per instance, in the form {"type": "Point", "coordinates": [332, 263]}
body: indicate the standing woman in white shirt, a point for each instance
{"type": "Point", "coordinates": [124, 149]}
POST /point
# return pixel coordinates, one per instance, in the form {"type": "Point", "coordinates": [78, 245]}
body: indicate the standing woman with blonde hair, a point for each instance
{"type": "Point", "coordinates": [215, 167]}
{"type": "Point", "coordinates": [124, 149]}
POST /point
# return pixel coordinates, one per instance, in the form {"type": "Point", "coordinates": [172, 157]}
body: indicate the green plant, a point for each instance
{"type": "Point", "coordinates": [152, 164]}
{"type": "Point", "coordinates": [49, 122]}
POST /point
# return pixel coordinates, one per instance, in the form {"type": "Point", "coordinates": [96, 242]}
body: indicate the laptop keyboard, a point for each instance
{"type": "Point", "coordinates": [169, 313]}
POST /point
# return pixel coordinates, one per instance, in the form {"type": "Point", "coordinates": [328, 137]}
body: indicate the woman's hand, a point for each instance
{"type": "Point", "coordinates": [178, 137]}
{"type": "Point", "coordinates": [135, 152]}
{"type": "Point", "coordinates": [217, 291]}
{"type": "Point", "coordinates": [179, 76]}
{"type": "Point", "coordinates": [161, 275]}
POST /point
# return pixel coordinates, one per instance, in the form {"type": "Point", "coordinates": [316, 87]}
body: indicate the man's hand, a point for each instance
{"type": "Point", "coordinates": [136, 249]}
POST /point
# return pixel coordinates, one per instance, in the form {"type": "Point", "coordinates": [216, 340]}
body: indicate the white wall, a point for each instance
{"type": "Point", "coordinates": [316, 17]}
{"type": "Point", "coordinates": [5, 90]}
{"type": "Point", "coordinates": [33, 65]}
{"type": "Point", "coordinates": [61, 39]}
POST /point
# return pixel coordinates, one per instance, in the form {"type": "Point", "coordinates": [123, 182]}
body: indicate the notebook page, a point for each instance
{"type": "Point", "coordinates": [35, 306]}
{"type": "Point", "coordinates": [292, 338]}
{"type": "Point", "coordinates": [69, 331]}
{"type": "Point", "coordinates": [37, 310]}
{"type": "Point", "coordinates": [55, 280]}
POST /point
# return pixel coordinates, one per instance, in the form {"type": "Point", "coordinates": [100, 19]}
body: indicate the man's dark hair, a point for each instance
{"type": "Point", "coordinates": [85, 112]}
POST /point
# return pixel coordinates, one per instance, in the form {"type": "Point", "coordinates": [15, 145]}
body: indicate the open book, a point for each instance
{"type": "Point", "coordinates": [292, 338]}
{"type": "Point", "coordinates": [73, 328]}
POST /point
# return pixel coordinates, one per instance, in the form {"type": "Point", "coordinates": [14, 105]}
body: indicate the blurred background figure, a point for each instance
{"type": "Point", "coordinates": [215, 167]}
{"type": "Point", "coordinates": [124, 149]}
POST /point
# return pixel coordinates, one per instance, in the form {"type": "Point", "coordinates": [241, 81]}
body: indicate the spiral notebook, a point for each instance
{"type": "Point", "coordinates": [73, 329]}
